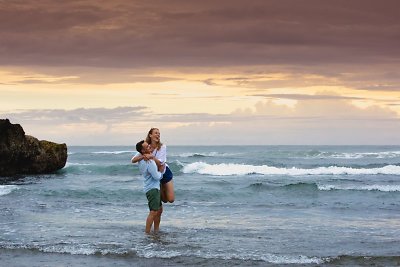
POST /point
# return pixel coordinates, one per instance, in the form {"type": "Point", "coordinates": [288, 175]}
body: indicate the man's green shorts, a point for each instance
{"type": "Point", "coordinates": [154, 198]}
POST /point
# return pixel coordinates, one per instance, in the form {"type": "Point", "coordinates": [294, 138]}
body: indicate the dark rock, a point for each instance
{"type": "Point", "coordinates": [24, 154]}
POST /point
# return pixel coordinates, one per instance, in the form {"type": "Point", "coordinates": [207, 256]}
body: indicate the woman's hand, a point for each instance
{"type": "Point", "coordinates": [147, 157]}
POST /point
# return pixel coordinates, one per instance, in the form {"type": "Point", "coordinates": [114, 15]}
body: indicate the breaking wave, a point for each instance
{"type": "Point", "coordinates": [149, 252]}
{"type": "Point", "coordinates": [226, 169]}
{"type": "Point", "coordinates": [383, 188]}
{"type": "Point", "coordinates": [7, 189]}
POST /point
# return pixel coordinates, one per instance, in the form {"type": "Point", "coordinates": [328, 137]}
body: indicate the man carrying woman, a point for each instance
{"type": "Point", "coordinates": [159, 152]}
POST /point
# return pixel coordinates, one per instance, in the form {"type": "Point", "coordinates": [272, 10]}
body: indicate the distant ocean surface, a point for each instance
{"type": "Point", "coordinates": [235, 205]}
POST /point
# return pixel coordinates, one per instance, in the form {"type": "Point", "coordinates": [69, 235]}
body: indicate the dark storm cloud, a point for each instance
{"type": "Point", "coordinates": [133, 34]}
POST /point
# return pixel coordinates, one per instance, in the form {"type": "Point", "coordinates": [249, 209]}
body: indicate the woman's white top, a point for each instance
{"type": "Point", "coordinates": [161, 155]}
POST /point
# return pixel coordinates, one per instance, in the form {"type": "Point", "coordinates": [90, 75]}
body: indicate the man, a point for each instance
{"type": "Point", "coordinates": [151, 186]}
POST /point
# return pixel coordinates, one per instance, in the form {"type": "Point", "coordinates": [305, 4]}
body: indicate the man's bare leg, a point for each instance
{"type": "Point", "coordinates": [150, 220]}
{"type": "Point", "coordinates": [157, 220]}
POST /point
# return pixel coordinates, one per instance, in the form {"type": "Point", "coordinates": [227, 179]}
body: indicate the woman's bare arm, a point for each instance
{"type": "Point", "coordinates": [139, 157]}
{"type": "Point", "coordinates": [160, 165]}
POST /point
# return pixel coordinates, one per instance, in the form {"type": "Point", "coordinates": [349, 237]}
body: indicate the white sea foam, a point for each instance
{"type": "Point", "coordinates": [113, 152]}
{"type": "Point", "coordinates": [301, 259]}
{"type": "Point", "coordinates": [383, 188]}
{"type": "Point", "coordinates": [152, 251]}
{"type": "Point", "coordinates": [348, 155]}
{"type": "Point", "coordinates": [73, 250]}
{"type": "Point", "coordinates": [165, 254]}
{"type": "Point", "coordinates": [202, 154]}
{"type": "Point", "coordinates": [77, 164]}
{"type": "Point", "coordinates": [267, 257]}
{"type": "Point", "coordinates": [104, 152]}
{"type": "Point", "coordinates": [358, 155]}
{"type": "Point", "coordinates": [243, 169]}
{"type": "Point", "coordinates": [7, 189]}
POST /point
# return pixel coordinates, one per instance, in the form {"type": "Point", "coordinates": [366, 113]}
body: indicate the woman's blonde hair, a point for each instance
{"type": "Point", "coordinates": [148, 139]}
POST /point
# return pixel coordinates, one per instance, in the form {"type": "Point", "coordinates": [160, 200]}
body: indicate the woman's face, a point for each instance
{"type": "Point", "coordinates": [155, 136]}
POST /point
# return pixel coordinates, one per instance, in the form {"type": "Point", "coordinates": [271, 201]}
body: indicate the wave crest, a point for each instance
{"type": "Point", "coordinates": [149, 251]}
{"type": "Point", "coordinates": [383, 188]}
{"type": "Point", "coordinates": [202, 154]}
{"type": "Point", "coordinates": [7, 189]}
{"type": "Point", "coordinates": [229, 169]}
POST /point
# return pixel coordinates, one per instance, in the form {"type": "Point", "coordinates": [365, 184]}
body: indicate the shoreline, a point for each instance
{"type": "Point", "coordinates": [32, 257]}
{"type": "Point", "coordinates": [35, 258]}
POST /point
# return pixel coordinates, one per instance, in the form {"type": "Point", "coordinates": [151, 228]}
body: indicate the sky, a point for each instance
{"type": "Point", "coordinates": [227, 72]}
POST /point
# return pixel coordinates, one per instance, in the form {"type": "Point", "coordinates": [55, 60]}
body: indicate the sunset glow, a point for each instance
{"type": "Point", "coordinates": [204, 73]}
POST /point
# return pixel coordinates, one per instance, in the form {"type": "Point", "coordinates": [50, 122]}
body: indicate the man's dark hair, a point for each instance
{"type": "Point", "coordinates": [139, 146]}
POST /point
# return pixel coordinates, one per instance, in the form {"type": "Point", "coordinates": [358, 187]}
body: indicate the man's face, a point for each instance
{"type": "Point", "coordinates": [145, 148]}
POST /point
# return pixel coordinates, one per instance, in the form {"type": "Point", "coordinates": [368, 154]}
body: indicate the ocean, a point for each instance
{"type": "Point", "coordinates": [235, 206]}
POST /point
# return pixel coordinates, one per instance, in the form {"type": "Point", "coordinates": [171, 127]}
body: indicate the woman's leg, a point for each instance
{"type": "Point", "coordinates": [163, 195]}
{"type": "Point", "coordinates": [168, 191]}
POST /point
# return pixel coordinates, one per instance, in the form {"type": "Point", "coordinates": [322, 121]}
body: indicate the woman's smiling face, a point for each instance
{"type": "Point", "coordinates": [155, 136]}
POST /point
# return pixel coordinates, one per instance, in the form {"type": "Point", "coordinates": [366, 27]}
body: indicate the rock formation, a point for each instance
{"type": "Point", "coordinates": [24, 154]}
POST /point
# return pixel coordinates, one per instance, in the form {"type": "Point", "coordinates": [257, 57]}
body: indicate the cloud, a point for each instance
{"type": "Point", "coordinates": [350, 43]}
{"type": "Point", "coordinates": [254, 49]}
{"type": "Point", "coordinates": [309, 122]}
{"type": "Point", "coordinates": [326, 121]}
{"type": "Point", "coordinates": [367, 78]}
{"type": "Point", "coordinates": [309, 97]}
{"type": "Point", "coordinates": [134, 34]}
{"type": "Point", "coordinates": [84, 75]}
{"type": "Point", "coordinates": [381, 87]}
{"type": "Point", "coordinates": [80, 115]}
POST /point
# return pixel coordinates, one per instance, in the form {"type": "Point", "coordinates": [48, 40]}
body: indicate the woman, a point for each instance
{"type": "Point", "coordinates": [159, 154]}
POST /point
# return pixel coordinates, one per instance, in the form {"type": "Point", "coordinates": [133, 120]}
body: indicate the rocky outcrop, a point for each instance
{"type": "Point", "coordinates": [24, 154]}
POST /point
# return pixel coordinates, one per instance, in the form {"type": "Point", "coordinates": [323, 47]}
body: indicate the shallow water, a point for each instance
{"type": "Point", "coordinates": [306, 205]}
